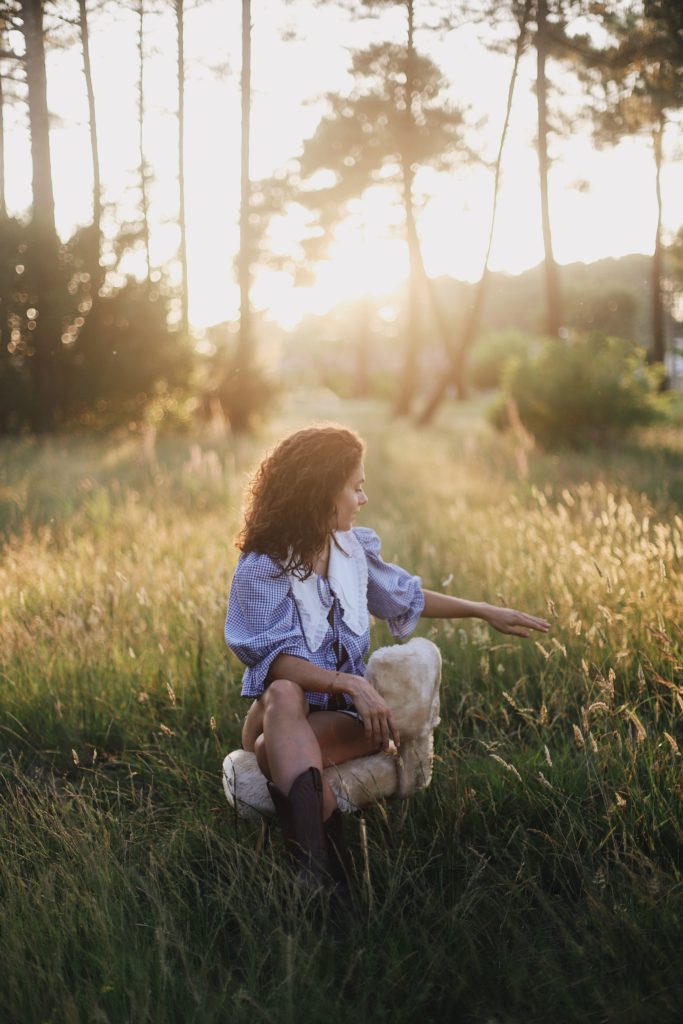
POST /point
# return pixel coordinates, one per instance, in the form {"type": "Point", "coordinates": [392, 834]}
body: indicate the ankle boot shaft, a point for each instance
{"type": "Point", "coordinates": [300, 814]}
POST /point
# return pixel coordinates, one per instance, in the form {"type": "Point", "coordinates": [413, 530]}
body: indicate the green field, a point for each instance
{"type": "Point", "coordinates": [537, 879]}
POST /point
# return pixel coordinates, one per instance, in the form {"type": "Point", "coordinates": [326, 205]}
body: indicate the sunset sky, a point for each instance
{"type": "Point", "coordinates": [603, 202]}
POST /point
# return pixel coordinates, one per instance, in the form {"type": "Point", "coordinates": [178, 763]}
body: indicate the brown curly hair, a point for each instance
{"type": "Point", "coordinates": [290, 499]}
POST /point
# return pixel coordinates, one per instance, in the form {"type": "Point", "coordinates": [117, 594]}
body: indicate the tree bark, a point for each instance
{"type": "Point", "coordinates": [5, 329]}
{"type": "Point", "coordinates": [3, 203]}
{"type": "Point", "coordinates": [409, 375]}
{"type": "Point", "coordinates": [94, 255]}
{"type": "Point", "coordinates": [180, 33]}
{"type": "Point", "coordinates": [553, 299]}
{"type": "Point", "coordinates": [245, 346]}
{"type": "Point", "coordinates": [144, 200]}
{"type": "Point", "coordinates": [45, 344]}
{"type": "Point", "coordinates": [36, 78]}
{"type": "Point", "coordinates": [657, 351]}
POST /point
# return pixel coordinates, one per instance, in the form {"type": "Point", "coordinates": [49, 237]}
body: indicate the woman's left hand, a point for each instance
{"type": "Point", "coordinates": [507, 620]}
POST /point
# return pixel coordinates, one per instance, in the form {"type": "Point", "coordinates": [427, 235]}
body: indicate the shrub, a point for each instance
{"type": "Point", "coordinates": [493, 352]}
{"type": "Point", "coordinates": [589, 390]}
{"type": "Point", "coordinates": [246, 395]}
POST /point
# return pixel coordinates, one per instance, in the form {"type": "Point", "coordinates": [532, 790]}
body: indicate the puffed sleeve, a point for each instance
{"type": "Point", "coordinates": [393, 594]}
{"type": "Point", "coordinates": [262, 620]}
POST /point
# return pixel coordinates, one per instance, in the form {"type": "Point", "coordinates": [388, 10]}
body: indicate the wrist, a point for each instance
{"type": "Point", "coordinates": [350, 685]}
{"type": "Point", "coordinates": [484, 610]}
{"type": "Point", "coordinates": [333, 685]}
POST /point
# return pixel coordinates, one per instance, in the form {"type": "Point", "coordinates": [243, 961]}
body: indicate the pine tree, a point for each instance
{"type": "Point", "coordinates": [639, 82]}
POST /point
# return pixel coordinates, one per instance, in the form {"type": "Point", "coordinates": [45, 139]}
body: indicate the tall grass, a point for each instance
{"type": "Point", "coordinates": [538, 878]}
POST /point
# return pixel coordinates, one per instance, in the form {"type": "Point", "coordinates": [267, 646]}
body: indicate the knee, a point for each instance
{"type": "Point", "coordinates": [282, 695]}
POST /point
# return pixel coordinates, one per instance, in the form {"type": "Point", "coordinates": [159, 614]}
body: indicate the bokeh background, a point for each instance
{"type": "Point", "coordinates": [204, 205]}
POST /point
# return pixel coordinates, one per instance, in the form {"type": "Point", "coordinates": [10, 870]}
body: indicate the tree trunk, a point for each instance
{"type": "Point", "coordinates": [553, 300]}
{"type": "Point", "coordinates": [455, 374]}
{"type": "Point", "coordinates": [409, 375]}
{"type": "Point", "coordinates": [245, 347]}
{"type": "Point", "coordinates": [3, 203]}
{"type": "Point", "coordinates": [657, 351]}
{"type": "Point", "coordinates": [144, 201]}
{"type": "Point", "coordinates": [36, 79]}
{"type": "Point", "coordinates": [180, 32]}
{"type": "Point", "coordinates": [94, 254]}
{"type": "Point", "coordinates": [45, 347]}
{"type": "Point", "coordinates": [5, 329]}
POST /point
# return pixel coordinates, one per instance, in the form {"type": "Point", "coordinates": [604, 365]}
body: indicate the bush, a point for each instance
{"type": "Point", "coordinates": [247, 396]}
{"type": "Point", "coordinates": [493, 352]}
{"type": "Point", "coordinates": [126, 364]}
{"type": "Point", "coordinates": [589, 390]}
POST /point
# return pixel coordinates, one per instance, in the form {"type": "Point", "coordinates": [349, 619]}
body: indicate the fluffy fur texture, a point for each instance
{"type": "Point", "coordinates": [408, 677]}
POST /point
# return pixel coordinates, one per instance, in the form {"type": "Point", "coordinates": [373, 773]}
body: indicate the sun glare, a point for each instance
{"type": "Point", "coordinates": [367, 254]}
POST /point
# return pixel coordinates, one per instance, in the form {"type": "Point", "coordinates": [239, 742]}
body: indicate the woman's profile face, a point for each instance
{"type": "Point", "coordinates": [350, 500]}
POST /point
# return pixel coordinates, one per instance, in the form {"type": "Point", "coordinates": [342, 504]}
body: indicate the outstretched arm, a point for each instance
{"type": "Point", "coordinates": [505, 620]}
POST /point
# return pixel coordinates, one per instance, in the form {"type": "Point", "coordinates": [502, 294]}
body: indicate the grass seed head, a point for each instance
{"type": "Point", "coordinates": [672, 743]}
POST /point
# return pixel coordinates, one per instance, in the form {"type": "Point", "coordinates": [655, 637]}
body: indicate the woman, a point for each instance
{"type": "Point", "coordinates": [298, 617]}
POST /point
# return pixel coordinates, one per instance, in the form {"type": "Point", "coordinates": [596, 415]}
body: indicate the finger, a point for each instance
{"type": "Point", "coordinates": [370, 731]}
{"type": "Point", "coordinates": [384, 726]}
{"type": "Point", "coordinates": [531, 620]}
{"type": "Point", "coordinates": [367, 724]}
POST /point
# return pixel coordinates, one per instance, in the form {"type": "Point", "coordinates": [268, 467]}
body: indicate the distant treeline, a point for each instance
{"type": "Point", "coordinates": [610, 296]}
{"type": "Point", "coordinates": [82, 343]}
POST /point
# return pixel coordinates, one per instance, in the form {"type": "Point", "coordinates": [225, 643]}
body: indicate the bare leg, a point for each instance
{"type": "Point", "coordinates": [253, 725]}
{"type": "Point", "coordinates": [292, 740]}
{"type": "Point", "coordinates": [288, 742]}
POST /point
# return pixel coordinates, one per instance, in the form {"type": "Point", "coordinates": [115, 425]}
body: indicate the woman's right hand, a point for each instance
{"type": "Point", "coordinates": [376, 714]}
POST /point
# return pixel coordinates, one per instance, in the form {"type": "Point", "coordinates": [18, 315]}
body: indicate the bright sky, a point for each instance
{"type": "Point", "coordinates": [300, 51]}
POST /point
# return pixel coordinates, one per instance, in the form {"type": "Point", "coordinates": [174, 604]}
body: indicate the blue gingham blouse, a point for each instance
{"type": "Point", "coordinates": [263, 620]}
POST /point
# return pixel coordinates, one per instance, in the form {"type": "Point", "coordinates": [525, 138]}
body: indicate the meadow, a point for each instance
{"type": "Point", "coordinates": [537, 879]}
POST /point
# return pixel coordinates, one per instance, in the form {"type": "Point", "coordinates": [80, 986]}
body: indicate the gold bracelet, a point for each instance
{"type": "Point", "coordinates": [336, 674]}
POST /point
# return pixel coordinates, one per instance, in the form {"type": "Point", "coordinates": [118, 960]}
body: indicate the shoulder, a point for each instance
{"type": "Point", "coordinates": [255, 571]}
{"type": "Point", "coordinates": [367, 539]}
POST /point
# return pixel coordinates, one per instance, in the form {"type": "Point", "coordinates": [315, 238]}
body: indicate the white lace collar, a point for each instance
{"type": "Point", "coordinates": [347, 575]}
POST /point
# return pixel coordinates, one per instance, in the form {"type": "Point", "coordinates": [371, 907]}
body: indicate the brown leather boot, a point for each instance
{"type": "Point", "coordinates": [300, 814]}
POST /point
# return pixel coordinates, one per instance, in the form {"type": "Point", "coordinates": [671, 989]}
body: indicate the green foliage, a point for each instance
{"type": "Point", "coordinates": [367, 138]}
{"type": "Point", "coordinates": [71, 357]}
{"type": "Point", "coordinates": [125, 358]}
{"type": "Point", "coordinates": [492, 353]}
{"type": "Point", "coordinates": [247, 394]}
{"type": "Point", "coordinates": [592, 389]}
{"type": "Point", "coordinates": [601, 308]}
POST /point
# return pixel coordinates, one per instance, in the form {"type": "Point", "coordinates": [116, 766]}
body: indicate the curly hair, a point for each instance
{"type": "Point", "coordinates": [290, 499]}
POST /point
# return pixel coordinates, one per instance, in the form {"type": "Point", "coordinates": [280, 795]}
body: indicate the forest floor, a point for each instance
{"type": "Point", "coordinates": [538, 878]}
